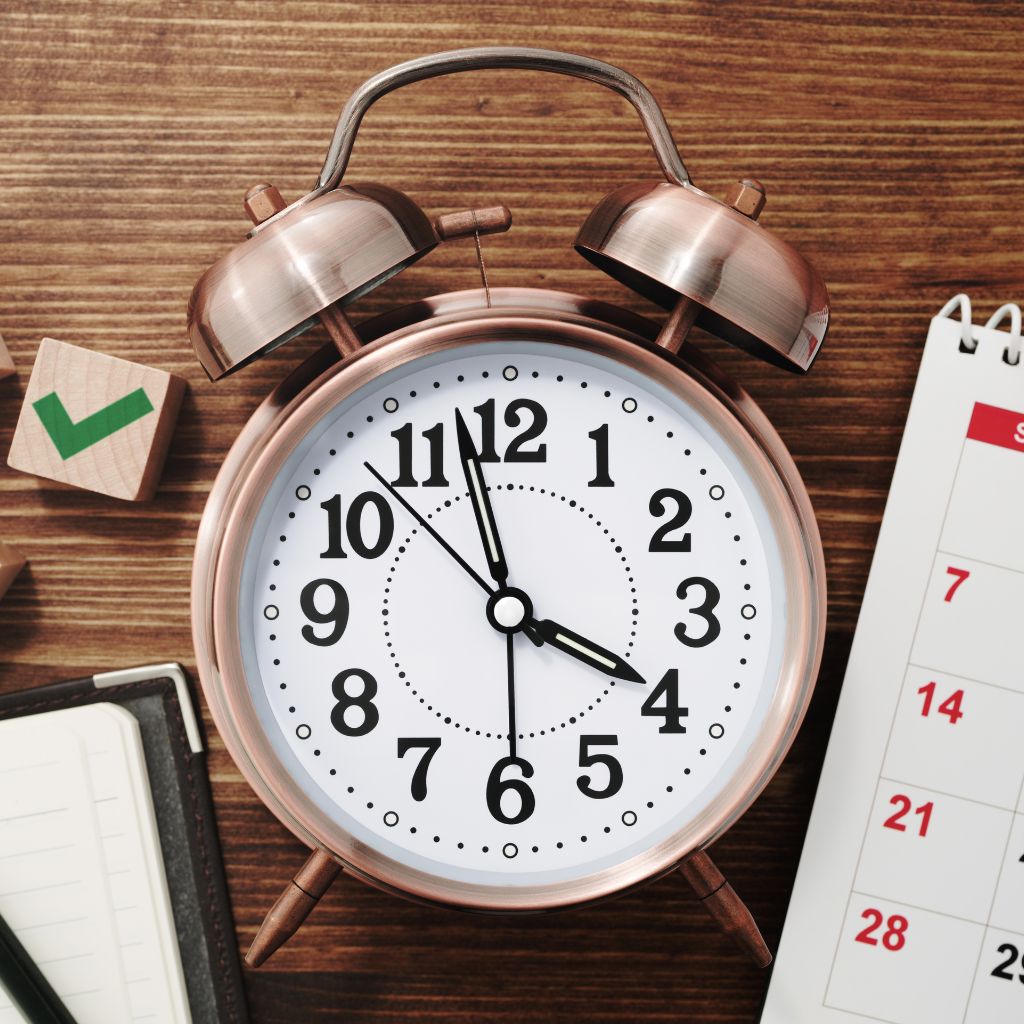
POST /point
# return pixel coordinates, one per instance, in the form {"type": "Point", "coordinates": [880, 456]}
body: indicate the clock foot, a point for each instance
{"type": "Point", "coordinates": [722, 903]}
{"type": "Point", "coordinates": [293, 906]}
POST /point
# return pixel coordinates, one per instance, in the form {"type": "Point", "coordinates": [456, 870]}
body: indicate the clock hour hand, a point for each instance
{"type": "Point", "coordinates": [481, 503]}
{"type": "Point", "coordinates": [585, 650]}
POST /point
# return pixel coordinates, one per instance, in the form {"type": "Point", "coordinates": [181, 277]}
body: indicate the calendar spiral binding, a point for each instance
{"type": "Point", "coordinates": [969, 342]}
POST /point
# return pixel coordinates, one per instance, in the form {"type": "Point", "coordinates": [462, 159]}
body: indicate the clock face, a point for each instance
{"type": "Point", "coordinates": [512, 614]}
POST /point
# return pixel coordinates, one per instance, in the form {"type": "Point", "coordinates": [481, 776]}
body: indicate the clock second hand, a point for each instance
{"type": "Point", "coordinates": [509, 640]}
{"type": "Point", "coordinates": [528, 627]}
{"type": "Point", "coordinates": [509, 637]}
{"type": "Point", "coordinates": [433, 533]}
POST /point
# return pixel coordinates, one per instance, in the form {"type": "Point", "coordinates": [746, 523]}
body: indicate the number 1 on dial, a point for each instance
{"type": "Point", "coordinates": [600, 439]}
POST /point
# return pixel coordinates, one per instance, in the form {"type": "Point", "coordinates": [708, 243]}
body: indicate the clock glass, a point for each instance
{"type": "Point", "coordinates": [512, 613]}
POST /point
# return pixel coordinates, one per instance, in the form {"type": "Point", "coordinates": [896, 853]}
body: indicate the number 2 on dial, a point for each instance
{"type": "Point", "coordinates": [661, 540]}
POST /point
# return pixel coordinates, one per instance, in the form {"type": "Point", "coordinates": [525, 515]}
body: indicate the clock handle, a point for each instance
{"type": "Point", "coordinates": [293, 906]}
{"type": "Point", "coordinates": [721, 902]}
{"type": "Point", "coordinates": [524, 58]}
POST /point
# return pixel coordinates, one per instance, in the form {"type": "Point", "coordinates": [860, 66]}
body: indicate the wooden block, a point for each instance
{"type": "Point", "coordinates": [11, 563]}
{"type": "Point", "coordinates": [96, 421]}
{"type": "Point", "coordinates": [6, 362]}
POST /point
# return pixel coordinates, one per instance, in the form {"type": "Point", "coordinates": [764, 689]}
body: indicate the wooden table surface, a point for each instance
{"type": "Point", "coordinates": [891, 141]}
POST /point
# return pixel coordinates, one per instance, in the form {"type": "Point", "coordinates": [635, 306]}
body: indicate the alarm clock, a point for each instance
{"type": "Point", "coordinates": [508, 600]}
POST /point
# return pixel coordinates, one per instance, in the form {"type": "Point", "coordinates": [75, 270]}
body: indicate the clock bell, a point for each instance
{"type": "Point", "coordinates": [707, 261]}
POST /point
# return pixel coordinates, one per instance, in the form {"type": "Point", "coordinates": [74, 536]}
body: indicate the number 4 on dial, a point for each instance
{"type": "Point", "coordinates": [667, 691]}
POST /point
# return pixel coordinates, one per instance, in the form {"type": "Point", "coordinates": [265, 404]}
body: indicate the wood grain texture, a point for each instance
{"type": "Point", "coordinates": [11, 563]}
{"type": "Point", "coordinates": [6, 362]}
{"type": "Point", "coordinates": [891, 141]}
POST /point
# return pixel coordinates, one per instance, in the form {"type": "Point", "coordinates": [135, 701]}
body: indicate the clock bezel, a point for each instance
{"type": "Point", "coordinates": [394, 339]}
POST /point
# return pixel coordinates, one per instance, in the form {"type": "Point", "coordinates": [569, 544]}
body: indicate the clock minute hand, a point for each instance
{"type": "Point", "coordinates": [586, 650]}
{"type": "Point", "coordinates": [481, 503]}
{"type": "Point", "coordinates": [484, 514]}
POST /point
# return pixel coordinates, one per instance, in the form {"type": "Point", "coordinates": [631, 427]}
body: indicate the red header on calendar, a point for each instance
{"type": "Point", "coordinates": [997, 426]}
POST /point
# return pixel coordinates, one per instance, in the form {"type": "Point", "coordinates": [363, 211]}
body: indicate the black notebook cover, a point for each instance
{"type": "Point", "coordinates": [159, 698]}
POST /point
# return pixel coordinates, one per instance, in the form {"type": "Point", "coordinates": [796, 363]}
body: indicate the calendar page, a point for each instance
{"type": "Point", "coordinates": [908, 906]}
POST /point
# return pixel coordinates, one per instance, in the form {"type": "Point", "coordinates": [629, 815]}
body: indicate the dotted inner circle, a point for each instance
{"type": "Point", "coordinates": [450, 720]}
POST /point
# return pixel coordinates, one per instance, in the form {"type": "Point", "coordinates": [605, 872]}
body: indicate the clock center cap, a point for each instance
{"type": "Point", "coordinates": [508, 609]}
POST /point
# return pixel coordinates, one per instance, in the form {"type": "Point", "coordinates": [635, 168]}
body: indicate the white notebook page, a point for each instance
{"type": "Point", "coordinates": [81, 875]}
{"type": "Point", "coordinates": [908, 906]}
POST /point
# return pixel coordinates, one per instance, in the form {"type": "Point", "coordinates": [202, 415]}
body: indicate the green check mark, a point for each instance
{"type": "Point", "coordinates": [71, 438]}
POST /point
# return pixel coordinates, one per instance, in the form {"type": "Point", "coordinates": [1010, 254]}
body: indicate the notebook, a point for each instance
{"type": "Point", "coordinates": [109, 866]}
{"type": "Point", "coordinates": [81, 880]}
{"type": "Point", "coordinates": [908, 906]}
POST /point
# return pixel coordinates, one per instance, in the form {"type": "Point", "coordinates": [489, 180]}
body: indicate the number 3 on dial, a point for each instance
{"type": "Point", "coordinates": [704, 610]}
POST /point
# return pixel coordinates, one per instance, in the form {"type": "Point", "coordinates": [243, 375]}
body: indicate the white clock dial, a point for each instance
{"type": "Point", "coordinates": [638, 553]}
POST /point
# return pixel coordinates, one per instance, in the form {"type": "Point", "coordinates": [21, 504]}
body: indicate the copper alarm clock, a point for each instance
{"type": "Point", "coordinates": [502, 601]}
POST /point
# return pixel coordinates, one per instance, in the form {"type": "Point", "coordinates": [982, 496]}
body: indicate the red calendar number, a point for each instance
{"type": "Point", "coordinates": [950, 707]}
{"type": "Point", "coordinates": [893, 938]}
{"type": "Point", "coordinates": [904, 803]}
{"type": "Point", "coordinates": [961, 575]}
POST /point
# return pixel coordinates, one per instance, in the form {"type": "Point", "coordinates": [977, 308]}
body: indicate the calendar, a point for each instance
{"type": "Point", "coordinates": [908, 906]}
